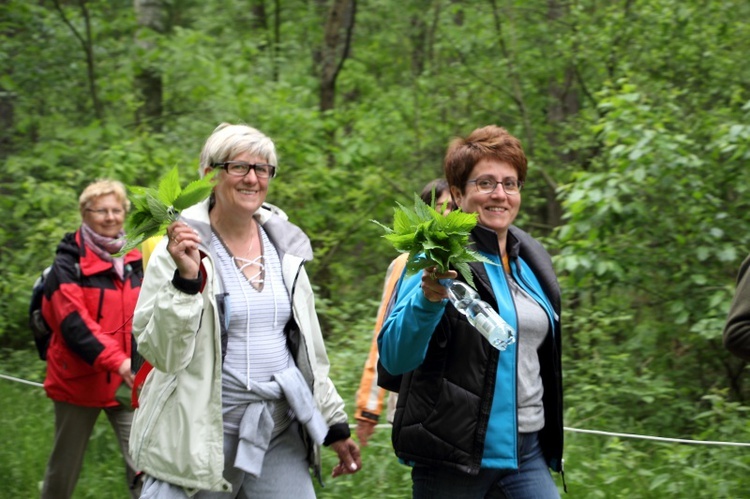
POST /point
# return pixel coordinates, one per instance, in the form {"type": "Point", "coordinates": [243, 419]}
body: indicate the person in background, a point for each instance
{"type": "Point", "coordinates": [89, 299]}
{"type": "Point", "coordinates": [475, 422]}
{"type": "Point", "coordinates": [239, 398]}
{"type": "Point", "coordinates": [737, 327]}
{"type": "Point", "coordinates": [369, 399]}
{"type": "Point", "coordinates": [147, 247]}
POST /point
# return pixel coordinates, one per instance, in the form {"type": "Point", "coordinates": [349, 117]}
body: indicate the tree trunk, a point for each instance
{"type": "Point", "coordinates": [151, 16]}
{"type": "Point", "coordinates": [7, 98]}
{"type": "Point", "coordinates": [563, 102]}
{"type": "Point", "coordinates": [88, 48]}
{"type": "Point", "coordinates": [273, 37]}
{"type": "Point", "coordinates": [7, 119]}
{"type": "Point", "coordinates": [336, 45]}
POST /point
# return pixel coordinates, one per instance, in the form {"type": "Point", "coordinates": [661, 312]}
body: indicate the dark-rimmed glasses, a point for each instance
{"type": "Point", "coordinates": [242, 168]}
{"type": "Point", "coordinates": [487, 185]}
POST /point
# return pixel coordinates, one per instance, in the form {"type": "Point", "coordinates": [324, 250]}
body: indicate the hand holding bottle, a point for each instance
{"type": "Point", "coordinates": [481, 315]}
{"type": "Point", "coordinates": [439, 286]}
{"type": "Point", "coordinates": [432, 288]}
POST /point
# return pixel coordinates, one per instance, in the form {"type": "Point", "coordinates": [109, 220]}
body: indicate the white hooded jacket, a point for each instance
{"type": "Point", "coordinates": [177, 433]}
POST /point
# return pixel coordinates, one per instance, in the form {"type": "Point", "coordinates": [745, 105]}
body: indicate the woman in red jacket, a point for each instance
{"type": "Point", "coordinates": [89, 299]}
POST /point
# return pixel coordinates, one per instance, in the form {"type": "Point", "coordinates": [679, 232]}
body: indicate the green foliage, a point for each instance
{"type": "Point", "coordinates": [153, 210]}
{"type": "Point", "coordinates": [432, 239]}
{"type": "Point", "coordinates": [27, 429]}
{"type": "Point", "coordinates": [634, 116]}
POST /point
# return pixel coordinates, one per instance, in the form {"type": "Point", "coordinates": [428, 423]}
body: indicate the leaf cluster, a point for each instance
{"type": "Point", "coordinates": [153, 210]}
{"type": "Point", "coordinates": [432, 239]}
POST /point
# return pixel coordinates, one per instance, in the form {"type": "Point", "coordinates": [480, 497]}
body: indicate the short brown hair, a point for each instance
{"type": "Point", "coordinates": [489, 142]}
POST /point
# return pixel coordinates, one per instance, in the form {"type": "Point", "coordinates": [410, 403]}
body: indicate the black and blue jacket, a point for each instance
{"type": "Point", "coordinates": [457, 397]}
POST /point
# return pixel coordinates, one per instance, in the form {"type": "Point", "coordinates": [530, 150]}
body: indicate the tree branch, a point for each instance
{"type": "Point", "coordinates": [87, 49]}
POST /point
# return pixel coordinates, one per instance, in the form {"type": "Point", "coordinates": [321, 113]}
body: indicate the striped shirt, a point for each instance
{"type": "Point", "coordinates": [256, 346]}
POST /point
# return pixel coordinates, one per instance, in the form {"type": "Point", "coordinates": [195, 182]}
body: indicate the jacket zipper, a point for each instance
{"type": "Point", "coordinates": [149, 424]}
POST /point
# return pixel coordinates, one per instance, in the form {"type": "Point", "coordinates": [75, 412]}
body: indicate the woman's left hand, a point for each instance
{"type": "Point", "coordinates": [350, 461]}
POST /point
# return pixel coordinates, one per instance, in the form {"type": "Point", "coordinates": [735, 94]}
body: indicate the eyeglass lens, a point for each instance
{"type": "Point", "coordinates": [240, 169]}
{"type": "Point", "coordinates": [488, 185]}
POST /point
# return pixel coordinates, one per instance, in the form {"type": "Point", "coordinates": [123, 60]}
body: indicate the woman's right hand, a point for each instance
{"type": "Point", "coordinates": [183, 247]}
{"type": "Point", "coordinates": [364, 431]}
{"type": "Point", "coordinates": [431, 287]}
{"type": "Point", "coordinates": [125, 372]}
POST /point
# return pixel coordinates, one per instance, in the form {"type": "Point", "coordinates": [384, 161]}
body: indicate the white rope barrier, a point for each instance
{"type": "Point", "coordinates": [566, 428]}
{"type": "Point", "coordinates": [19, 380]}
{"type": "Point", "coordinates": [658, 439]}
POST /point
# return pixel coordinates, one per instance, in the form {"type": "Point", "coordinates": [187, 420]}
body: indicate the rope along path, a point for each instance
{"type": "Point", "coordinates": [566, 428]}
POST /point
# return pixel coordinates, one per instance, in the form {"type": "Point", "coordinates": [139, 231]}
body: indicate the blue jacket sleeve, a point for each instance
{"type": "Point", "coordinates": [406, 333]}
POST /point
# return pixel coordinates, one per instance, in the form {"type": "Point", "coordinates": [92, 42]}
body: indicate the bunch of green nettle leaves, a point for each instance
{"type": "Point", "coordinates": [153, 210]}
{"type": "Point", "coordinates": [433, 239]}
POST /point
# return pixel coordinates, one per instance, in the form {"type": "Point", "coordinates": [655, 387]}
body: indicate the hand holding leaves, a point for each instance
{"type": "Point", "coordinates": [432, 239]}
{"type": "Point", "coordinates": [153, 210]}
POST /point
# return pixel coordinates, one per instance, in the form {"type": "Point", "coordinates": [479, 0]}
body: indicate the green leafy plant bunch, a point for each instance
{"type": "Point", "coordinates": [153, 210]}
{"type": "Point", "coordinates": [433, 239]}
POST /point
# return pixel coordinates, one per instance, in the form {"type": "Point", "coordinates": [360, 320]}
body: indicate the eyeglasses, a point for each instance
{"type": "Point", "coordinates": [116, 212]}
{"type": "Point", "coordinates": [487, 185]}
{"type": "Point", "coordinates": [241, 168]}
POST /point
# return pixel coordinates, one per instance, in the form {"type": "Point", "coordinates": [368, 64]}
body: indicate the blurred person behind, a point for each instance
{"type": "Point", "coordinates": [370, 397]}
{"type": "Point", "coordinates": [737, 328]}
{"type": "Point", "coordinates": [89, 299]}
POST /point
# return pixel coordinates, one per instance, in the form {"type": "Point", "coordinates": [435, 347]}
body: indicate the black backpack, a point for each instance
{"type": "Point", "coordinates": [39, 327]}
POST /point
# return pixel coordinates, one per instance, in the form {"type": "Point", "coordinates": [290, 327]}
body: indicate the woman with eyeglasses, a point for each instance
{"type": "Point", "coordinates": [475, 422]}
{"type": "Point", "coordinates": [89, 299]}
{"type": "Point", "coordinates": [239, 399]}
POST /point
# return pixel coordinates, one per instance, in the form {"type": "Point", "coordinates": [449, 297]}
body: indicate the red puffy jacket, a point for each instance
{"type": "Point", "coordinates": [90, 312]}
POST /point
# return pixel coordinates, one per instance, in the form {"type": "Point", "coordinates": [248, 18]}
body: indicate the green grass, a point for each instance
{"type": "Point", "coordinates": [26, 429]}
{"type": "Point", "coordinates": [596, 466]}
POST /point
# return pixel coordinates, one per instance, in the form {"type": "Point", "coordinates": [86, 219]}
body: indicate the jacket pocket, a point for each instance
{"type": "Point", "coordinates": [71, 365]}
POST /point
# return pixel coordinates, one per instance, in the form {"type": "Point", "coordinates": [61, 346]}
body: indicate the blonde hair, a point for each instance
{"type": "Point", "coordinates": [101, 188]}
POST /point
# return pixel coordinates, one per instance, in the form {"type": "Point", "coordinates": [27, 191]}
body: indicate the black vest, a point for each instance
{"type": "Point", "coordinates": [444, 405]}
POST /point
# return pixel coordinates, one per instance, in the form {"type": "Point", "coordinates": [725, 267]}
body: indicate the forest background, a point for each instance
{"type": "Point", "coordinates": [634, 116]}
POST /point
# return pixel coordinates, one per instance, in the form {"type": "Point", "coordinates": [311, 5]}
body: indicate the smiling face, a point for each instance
{"type": "Point", "coordinates": [241, 195]}
{"type": "Point", "coordinates": [105, 215]}
{"type": "Point", "coordinates": [497, 210]}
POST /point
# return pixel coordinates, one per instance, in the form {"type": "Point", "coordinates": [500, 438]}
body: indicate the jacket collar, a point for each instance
{"type": "Point", "coordinates": [485, 240]}
{"type": "Point", "coordinates": [286, 237]}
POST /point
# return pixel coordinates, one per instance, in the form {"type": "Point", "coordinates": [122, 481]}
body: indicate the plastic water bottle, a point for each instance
{"type": "Point", "coordinates": [481, 315]}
